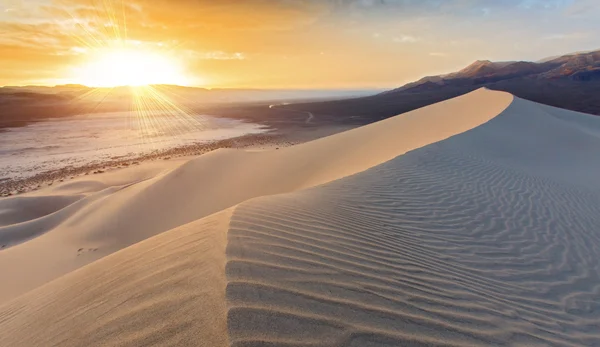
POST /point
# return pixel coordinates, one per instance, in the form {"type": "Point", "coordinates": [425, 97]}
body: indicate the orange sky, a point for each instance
{"type": "Point", "coordinates": [289, 43]}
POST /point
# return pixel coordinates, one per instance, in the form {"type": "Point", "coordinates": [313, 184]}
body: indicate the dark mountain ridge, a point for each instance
{"type": "Point", "coordinates": [571, 82]}
{"type": "Point", "coordinates": [578, 67]}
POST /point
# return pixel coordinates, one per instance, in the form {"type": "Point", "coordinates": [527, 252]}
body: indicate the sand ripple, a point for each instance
{"type": "Point", "coordinates": [475, 240]}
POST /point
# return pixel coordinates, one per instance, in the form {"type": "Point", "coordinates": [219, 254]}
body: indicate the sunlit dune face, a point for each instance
{"type": "Point", "coordinates": [129, 67]}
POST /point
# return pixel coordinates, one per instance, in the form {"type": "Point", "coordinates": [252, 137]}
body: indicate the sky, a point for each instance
{"type": "Point", "coordinates": [289, 43]}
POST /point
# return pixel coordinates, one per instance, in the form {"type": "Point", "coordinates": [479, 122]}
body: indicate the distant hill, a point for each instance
{"type": "Point", "coordinates": [572, 67]}
{"type": "Point", "coordinates": [571, 82]}
{"type": "Point", "coordinates": [22, 105]}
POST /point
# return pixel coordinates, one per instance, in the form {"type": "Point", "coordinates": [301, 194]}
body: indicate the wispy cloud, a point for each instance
{"type": "Point", "coordinates": [567, 36]}
{"type": "Point", "coordinates": [406, 39]}
{"type": "Point", "coordinates": [219, 55]}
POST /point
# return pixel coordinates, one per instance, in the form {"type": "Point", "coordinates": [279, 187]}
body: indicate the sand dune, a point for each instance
{"type": "Point", "coordinates": [126, 208]}
{"type": "Point", "coordinates": [483, 238]}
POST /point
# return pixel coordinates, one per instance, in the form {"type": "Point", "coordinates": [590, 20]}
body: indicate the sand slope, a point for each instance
{"type": "Point", "coordinates": [166, 291]}
{"type": "Point", "coordinates": [485, 238]}
{"type": "Point", "coordinates": [114, 213]}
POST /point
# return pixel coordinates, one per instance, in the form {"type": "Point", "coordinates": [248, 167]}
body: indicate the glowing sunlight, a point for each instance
{"type": "Point", "coordinates": [129, 67]}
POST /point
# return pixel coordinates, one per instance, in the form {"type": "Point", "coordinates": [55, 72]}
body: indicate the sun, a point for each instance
{"type": "Point", "coordinates": [129, 67]}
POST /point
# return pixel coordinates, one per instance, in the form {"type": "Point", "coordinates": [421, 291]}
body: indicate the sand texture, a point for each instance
{"type": "Point", "coordinates": [472, 222]}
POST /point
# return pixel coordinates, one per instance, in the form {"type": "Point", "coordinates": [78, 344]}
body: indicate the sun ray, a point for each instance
{"type": "Point", "coordinates": [119, 68]}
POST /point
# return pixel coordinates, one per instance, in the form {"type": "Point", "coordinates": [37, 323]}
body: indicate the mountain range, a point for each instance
{"type": "Point", "coordinates": [577, 67]}
{"type": "Point", "coordinates": [22, 105]}
{"type": "Point", "coordinates": [570, 82]}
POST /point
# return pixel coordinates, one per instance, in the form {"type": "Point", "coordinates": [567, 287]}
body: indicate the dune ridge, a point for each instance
{"type": "Point", "coordinates": [426, 229]}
